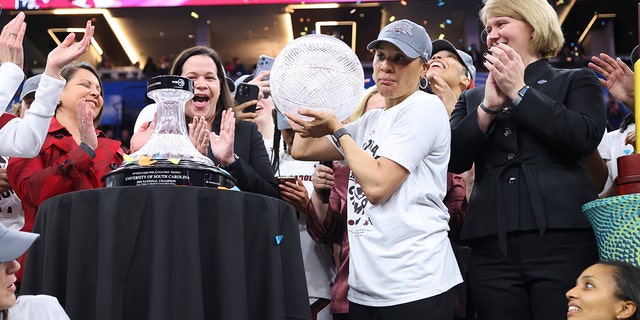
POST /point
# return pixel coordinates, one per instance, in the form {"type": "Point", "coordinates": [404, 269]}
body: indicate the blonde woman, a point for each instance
{"type": "Point", "coordinates": [528, 131]}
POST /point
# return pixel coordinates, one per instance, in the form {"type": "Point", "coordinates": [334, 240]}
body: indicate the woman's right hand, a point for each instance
{"type": "Point", "coordinates": [11, 37]}
{"type": "Point", "coordinates": [262, 83]}
{"type": "Point", "coordinates": [140, 137]}
{"type": "Point", "coordinates": [85, 125]}
{"type": "Point", "coordinates": [68, 51]}
{"type": "Point", "coordinates": [322, 178]}
{"type": "Point", "coordinates": [199, 134]}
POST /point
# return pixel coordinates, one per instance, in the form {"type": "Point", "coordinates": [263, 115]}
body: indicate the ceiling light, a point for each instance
{"type": "Point", "coordinates": [94, 42]}
{"type": "Point", "coordinates": [113, 23]}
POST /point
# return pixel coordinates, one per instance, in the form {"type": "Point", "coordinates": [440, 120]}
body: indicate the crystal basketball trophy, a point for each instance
{"type": "Point", "coordinates": [169, 157]}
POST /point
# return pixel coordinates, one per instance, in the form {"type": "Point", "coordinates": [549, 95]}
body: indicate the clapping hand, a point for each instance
{"type": "Point", "coordinates": [11, 37]}
{"type": "Point", "coordinates": [85, 125]}
{"type": "Point", "coordinates": [618, 77]}
{"type": "Point", "coordinates": [68, 51]}
{"type": "Point", "coordinates": [199, 134]}
{"type": "Point", "coordinates": [222, 145]}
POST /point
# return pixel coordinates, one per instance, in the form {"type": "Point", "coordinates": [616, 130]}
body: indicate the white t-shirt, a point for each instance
{"type": "Point", "coordinates": [400, 251]}
{"type": "Point", "coordinates": [612, 147]}
{"type": "Point", "coordinates": [145, 115]}
{"type": "Point", "coordinates": [40, 307]}
{"type": "Point", "coordinates": [319, 267]}
{"type": "Point", "coordinates": [11, 214]}
{"type": "Point", "coordinates": [24, 137]}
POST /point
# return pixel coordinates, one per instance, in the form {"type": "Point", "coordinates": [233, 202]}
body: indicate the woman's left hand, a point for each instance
{"type": "Point", "coordinates": [85, 125]}
{"type": "Point", "coordinates": [222, 145]}
{"type": "Point", "coordinates": [323, 123]}
{"type": "Point", "coordinates": [295, 194]}
{"type": "Point", "coordinates": [199, 134]}
{"type": "Point", "coordinates": [507, 68]}
{"type": "Point", "coordinates": [246, 116]}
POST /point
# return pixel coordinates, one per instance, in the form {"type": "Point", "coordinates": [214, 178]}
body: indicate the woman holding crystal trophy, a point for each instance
{"type": "Point", "coordinates": [402, 265]}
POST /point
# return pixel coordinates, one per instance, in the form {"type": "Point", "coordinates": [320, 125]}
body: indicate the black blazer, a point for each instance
{"type": "Point", "coordinates": [529, 167]}
{"type": "Point", "coordinates": [253, 170]}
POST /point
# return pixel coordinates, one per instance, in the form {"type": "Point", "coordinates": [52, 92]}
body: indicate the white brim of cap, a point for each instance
{"type": "Point", "coordinates": [14, 243]}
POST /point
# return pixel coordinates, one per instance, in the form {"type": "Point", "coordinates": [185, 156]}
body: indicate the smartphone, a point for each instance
{"type": "Point", "coordinates": [283, 179]}
{"type": "Point", "coordinates": [264, 64]}
{"type": "Point", "coordinates": [247, 92]}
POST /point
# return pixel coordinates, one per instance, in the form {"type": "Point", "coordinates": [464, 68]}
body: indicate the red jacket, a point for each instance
{"type": "Point", "coordinates": [61, 166]}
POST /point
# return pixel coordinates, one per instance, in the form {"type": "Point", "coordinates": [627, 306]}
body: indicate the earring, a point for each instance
{"type": "Point", "coordinates": [59, 103]}
{"type": "Point", "coordinates": [423, 84]}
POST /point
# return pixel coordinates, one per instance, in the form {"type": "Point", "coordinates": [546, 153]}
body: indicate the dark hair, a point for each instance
{"type": "Point", "coordinates": [225, 100]}
{"type": "Point", "coordinates": [275, 154]}
{"type": "Point", "coordinates": [628, 119]}
{"type": "Point", "coordinates": [627, 278]}
{"type": "Point", "coordinates": [71, 69]}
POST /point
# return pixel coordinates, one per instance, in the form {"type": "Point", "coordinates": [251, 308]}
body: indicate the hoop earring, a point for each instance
{"type": "Point", "coordinates": [426, 83]}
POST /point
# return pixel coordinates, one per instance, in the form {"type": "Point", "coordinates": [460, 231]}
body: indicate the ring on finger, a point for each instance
{"type": "Point", "coordinates": [13, 33]}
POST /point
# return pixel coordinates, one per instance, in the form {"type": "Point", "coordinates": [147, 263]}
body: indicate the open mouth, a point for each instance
{"type": "Point", "coordinates": [200, 100]}
{"type": "Point", "coordinates": [436, 64]}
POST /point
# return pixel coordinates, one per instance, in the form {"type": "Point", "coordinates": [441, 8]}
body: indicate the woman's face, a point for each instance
{"type": "Point", "coordinates": [515, 33]}
{"type": "Point", "coordinates": [264, 110]}
{"type": "Point", "coordinates": [593, 296]}
{"type": "Point", "coordinates": [445, 64]}
{"type": "Point", "coordinates": [7, 281]}
{"type": "Point", "coordinates": [206, 86]}
{"type": "Point", "coordinates": [83, 84]}
{"type": "Point", "coordinates": [395, 74]}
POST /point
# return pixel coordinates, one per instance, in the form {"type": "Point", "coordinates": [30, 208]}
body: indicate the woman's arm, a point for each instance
{"type": "Point", "coordinates": [573, 127]}
{"type": "Point", "coordinates": [385, 165]}
{"type": "Point", "coordinates": [253, 172]}
{"type": "Point", "coordinates": [40, 178]}
{"type": "Point", "coordinates": [326, 221]}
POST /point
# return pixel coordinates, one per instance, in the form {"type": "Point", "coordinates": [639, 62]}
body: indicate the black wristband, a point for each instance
{"type": "Point", "coordinates": [338, 134]}
{"type": "Point", "coordinates": [88, 150]}
{"type": "Point", "coordinates": [489, 111]}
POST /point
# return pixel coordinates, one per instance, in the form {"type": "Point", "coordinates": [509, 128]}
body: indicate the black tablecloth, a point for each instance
{"type": "Point", "coordinates": [167, 252]}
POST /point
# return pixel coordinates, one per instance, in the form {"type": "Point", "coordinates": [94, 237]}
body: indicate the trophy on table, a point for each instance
{"type": "Point", "coordinates": [169, 157]}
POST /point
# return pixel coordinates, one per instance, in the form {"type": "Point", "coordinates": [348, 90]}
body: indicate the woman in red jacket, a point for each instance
{"type": "Point", "coordinates": [75, 155]}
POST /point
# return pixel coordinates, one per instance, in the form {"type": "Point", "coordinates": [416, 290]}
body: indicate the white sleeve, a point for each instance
{"type": "Point", "coordinates": [41, 307]}
{"type": "Point", "coordinates": [10, 81]}
{"type": "Point", "coordinates": [145, 115]}
{"type": "Point", "coordinates": [24, 137]}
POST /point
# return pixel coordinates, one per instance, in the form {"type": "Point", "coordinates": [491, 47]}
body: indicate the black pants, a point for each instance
{"type": "Point", "coordinates": [438, 307]}
{"type": "Point", "coordinates": [530, 282]}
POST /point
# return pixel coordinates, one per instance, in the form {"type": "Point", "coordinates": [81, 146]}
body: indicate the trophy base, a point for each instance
{"type": "Point", "coordinates": [162, 173]}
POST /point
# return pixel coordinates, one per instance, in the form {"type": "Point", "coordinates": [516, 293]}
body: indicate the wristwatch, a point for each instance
{"type": "Point", "coordinates": [520, 95]}
{"type": "Point", "coordinates": [338, 134]}
{"type": "Point", "coordinates": [230, 165]}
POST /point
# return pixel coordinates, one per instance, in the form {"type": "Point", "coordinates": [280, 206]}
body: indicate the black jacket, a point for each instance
{"type": "Point", "coordinates": [529, 167]}
{"type": "Point", "coordinates": [253, 170]}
